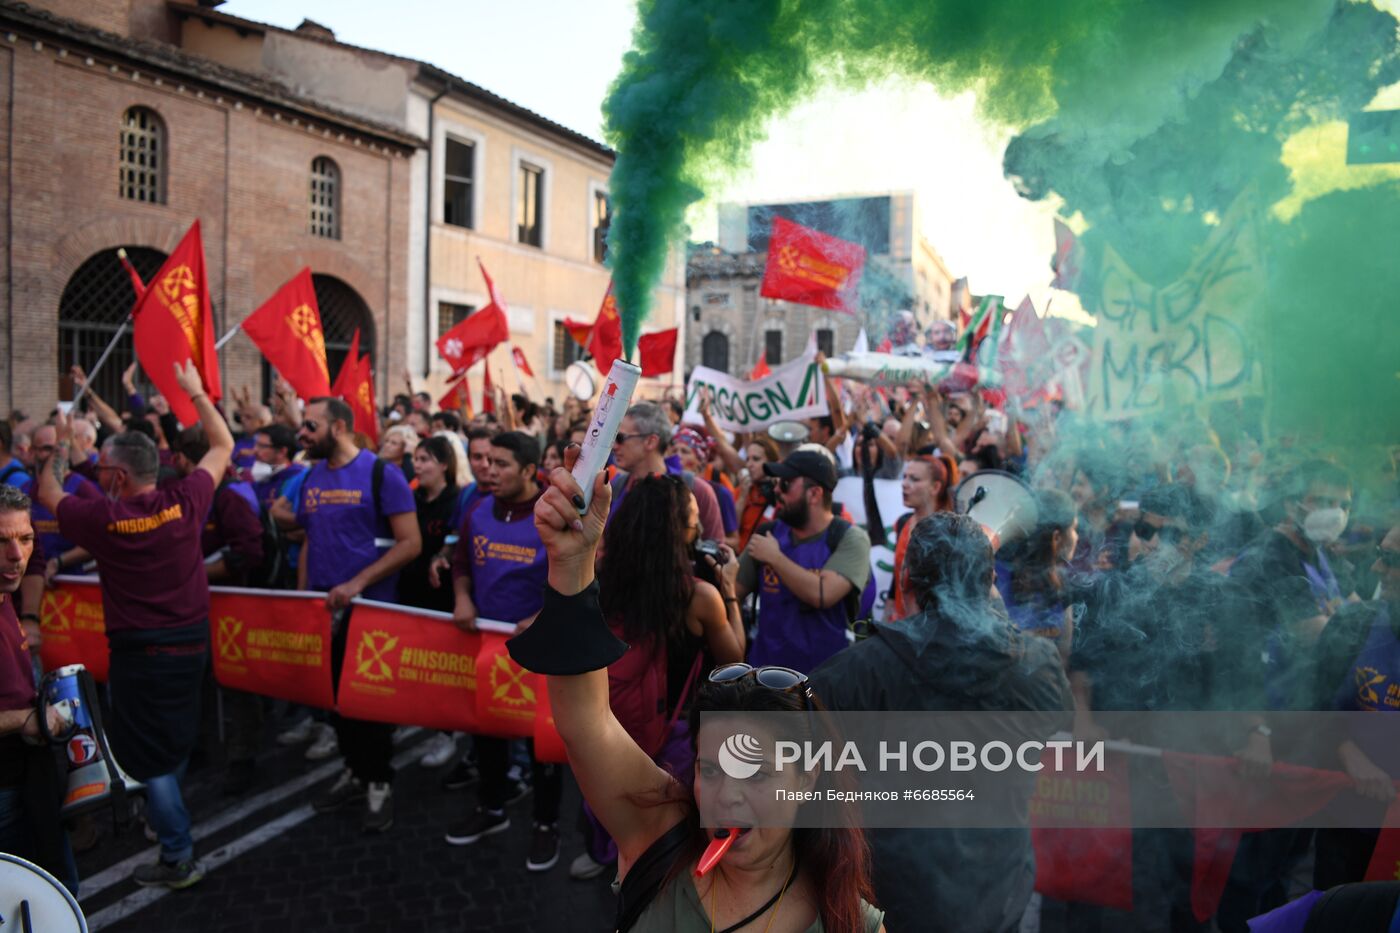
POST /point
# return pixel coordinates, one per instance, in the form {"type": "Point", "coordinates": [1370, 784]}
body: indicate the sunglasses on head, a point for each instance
{"type": "Point", "coordinates": [777, 679]}
{"type": "Point", "coordinates": [1146, 531]}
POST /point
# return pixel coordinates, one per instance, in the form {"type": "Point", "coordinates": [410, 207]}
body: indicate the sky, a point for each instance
{"type": "Point", "coordinates": [558, 58]}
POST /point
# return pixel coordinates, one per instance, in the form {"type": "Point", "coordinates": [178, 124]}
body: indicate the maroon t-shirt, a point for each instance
{"type": "Point", "coordinates": [16, 673]}
{"type": "Point", "coordinates": [148, 553]}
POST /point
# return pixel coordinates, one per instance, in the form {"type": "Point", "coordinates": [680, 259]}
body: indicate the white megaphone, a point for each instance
{"type": "Point", "coordinates": [999, 502]}
{"type": "Point", "coordinates": [94, 777]}
{"type": "Point", "coordinates": [34, 901]}
{"type": "Point", "coordinates": [788, 435]}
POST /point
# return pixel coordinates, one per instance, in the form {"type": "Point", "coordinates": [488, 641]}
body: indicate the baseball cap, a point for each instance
{"type": "Point", "coordinates": [807, 464]}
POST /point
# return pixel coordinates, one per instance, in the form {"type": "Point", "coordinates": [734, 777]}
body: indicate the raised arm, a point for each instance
{"type": "Point", "coordinates": [215, 428]}
{"type": "Point", "coordinates": [634, 799]}
{"type": "Point", "coordinates": [105, 413]}
{"type": "Point", "coordinates": [732, 461]}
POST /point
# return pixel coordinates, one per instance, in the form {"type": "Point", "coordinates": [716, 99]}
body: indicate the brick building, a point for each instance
{"type": "Point", "coordinates": [116, 135]}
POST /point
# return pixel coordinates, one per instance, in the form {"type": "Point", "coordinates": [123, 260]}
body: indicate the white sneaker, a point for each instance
{"type": "Point", "coordinates": [297, 734]}
{"type": "Point", "coordinates": [584, 868]}
{"type": "Point", "coordinates": [439, 750]}
{"type": "Point", "coordinates": [325, 745]}
{"type": "Point", "coordinates": [379, 809]}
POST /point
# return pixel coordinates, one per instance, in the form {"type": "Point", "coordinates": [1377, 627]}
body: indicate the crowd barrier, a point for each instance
{"type": "Point", "coordinates": [411, 667]}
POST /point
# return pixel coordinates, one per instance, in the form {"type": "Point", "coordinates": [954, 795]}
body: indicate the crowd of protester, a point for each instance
{"type": "Point", "coordinates": [1177, 564]}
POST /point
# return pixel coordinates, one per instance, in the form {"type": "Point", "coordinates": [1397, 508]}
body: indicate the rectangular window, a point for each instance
{"type": "Point", "coordinates": [529, 227]}
{"type": "Point", "coordinates": [826, 339]}
{"type": "Point", "coordinates": [773, 346]}
{"type": "Point", "coordinates": [566, 351]}
{"type": "Point", "coordinates": [459, 164]}
{"type": "Point", "coordinates": [450, 315]}
{"type": "Point", "coordinates": [602, 217]}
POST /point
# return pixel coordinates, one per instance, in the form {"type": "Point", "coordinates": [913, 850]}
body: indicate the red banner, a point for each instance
{"type": "Point", "coordinates": [1092, 866]}
{"type": "Point", "coordinates": [409, 667]}
{"type": "Point", "coordinates": [1385, 858]}
{"type": "Point", "coordinates": [272, 644]}
{"type": "Point", "coordinates": [73, 626]}
{"type": "Point", "coordinates": [812, 268]}
{"type": "Point", "coordinates": [287, 329]}
{"type": "Point", "coordinates": [549, 746]}
{"type": "Point", "coordinates": [506, 694]}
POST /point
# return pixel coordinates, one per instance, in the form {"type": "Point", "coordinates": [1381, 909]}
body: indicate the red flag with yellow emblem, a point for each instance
{"type": "Point", "coordinates": [605, 343]}
{"type": "Point", "coordinates": [359, 395]}
{"type": "Point", "coordinates": [812, 268]}
{"type": "Point", "coordinates": [287, 329]}
{"type": "Point", "coordinates": [174, 322]}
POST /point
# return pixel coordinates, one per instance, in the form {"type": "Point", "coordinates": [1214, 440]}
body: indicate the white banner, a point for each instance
{"type": "Point", "coordinates": [792, 392]}
{"type": "Point", "coordinates": [889, 495]}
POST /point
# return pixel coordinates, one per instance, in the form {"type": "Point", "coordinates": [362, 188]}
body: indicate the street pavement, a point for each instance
{"type": "Point", "coordinates": [274, 864]}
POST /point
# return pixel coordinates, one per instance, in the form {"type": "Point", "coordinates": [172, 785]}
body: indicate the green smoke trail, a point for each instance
{"type": "Point", "coordinates": [703, 78]}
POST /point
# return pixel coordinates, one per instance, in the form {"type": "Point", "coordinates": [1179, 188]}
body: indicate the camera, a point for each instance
{"type": "Point", "coordinates": [769, 490]}
{"type": "Point", "coordinates": [870, 432]}
{"type": "Point", "coordinates": [703, 570]}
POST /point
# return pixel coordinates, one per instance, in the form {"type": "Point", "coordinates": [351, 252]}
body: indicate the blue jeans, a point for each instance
{"type": "Point", "coordinates": [165, 811]}
{"type": "Point", "coordinates": [15, 837]}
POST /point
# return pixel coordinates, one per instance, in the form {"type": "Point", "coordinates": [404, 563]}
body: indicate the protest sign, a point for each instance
{"type": "Point", "coordinates": [272, 644]}
{"type": "Point", "coordinates": [1186, 343]}
{"type": "Point", "coordinates": [72, 623]}
{"type": "Point", "coordinates": [792, 392]}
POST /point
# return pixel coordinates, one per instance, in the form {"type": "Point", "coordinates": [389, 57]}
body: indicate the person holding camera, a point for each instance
{"type": "Point", "coordinates": [807, 567]}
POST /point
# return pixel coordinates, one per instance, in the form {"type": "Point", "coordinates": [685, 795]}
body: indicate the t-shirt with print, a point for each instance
{"type": "Point", "coordinates": [148, 554]}
{"type": "Point", "coordinates": [343, 522]}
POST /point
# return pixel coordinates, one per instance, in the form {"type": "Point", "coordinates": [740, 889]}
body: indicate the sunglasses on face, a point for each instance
{"type": "Point", "coordinates": [1146, 531]}
{"type": "Point", "coordinates": [787, 482]}
{"type": "Point", "coordinates": [309, 426]}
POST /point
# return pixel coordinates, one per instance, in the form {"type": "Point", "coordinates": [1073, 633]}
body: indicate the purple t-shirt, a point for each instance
{"type": "Point", "coordinates": [243, 453]}
{"type": "Point", "coordinates": [147, 551]}
{"type": "Point", "coordinates": [343, 523]}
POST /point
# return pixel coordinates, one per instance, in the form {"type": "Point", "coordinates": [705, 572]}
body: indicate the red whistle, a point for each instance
{"type": "Point", "coordinates": [724, 838]}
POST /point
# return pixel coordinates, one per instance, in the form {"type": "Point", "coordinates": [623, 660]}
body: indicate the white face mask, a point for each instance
{"type": "Point", "coordinates": [1323, 526]}
{"type": "Point", "coordinates": [262, 471]}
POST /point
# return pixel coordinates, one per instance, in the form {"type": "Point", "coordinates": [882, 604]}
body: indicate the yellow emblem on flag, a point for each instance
{"type": "Point", "coordinates": [369, 656]}
{"type": "Point", "coordinates": [181, 296]}
{"type": "Point", "coordinates": [505, 677]}
{"type": "Point", "coordinates": [366, 402]}
{"type": "Point", "coordinates": [305, 323]}
{"type": "Point", "coordinates": [56, 612]}
{"type": "Point", "coordinates": [229, 630]}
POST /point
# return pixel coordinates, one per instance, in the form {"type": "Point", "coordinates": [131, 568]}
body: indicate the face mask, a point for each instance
{"type": "Point", "coordinates": [262, 471]}
{"type": "Point", "coordinates": [1323, 526]}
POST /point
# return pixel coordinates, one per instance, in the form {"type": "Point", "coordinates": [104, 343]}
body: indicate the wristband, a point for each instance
{"type": "Point", "coordinates": [568, 636]}
{"type": "Point", "coordinates": [34, 616]}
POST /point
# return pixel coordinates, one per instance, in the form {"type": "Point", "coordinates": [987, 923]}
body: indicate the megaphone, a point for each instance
{"type": "Point", "coordinates": [1002, 504]}
{"type": "Point", "coordinates": [94, 777]}
{"type": "Point", "coordinates": [31, 899]}
{"type": "Point", "coordinates": [788, 435]}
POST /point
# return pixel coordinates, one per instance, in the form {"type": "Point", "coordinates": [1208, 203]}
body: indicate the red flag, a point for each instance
{"type": "Point", "coordinates": [520, 362]}
{"type": "Point", "coordinates": [138, 286]}
{"type": "Point", "coordinates": [1024, 351]}
{"type": "Point", "coordinates": [347, 368]}
{"type": "Point", "coordinates": [578, 332]}
{"type": "Point", "coordinates": [459, 396]}
{"type": "Point", "coordinates": [360, 398]}
{"type": "Point", "coordinates": [1067, 258]}
{"type": "Point", "coordinates": [287, 329]}
{"type": "Point", "coordinates": [1385, 858]}
{"type": "Point", "coordinates": [885, 346]}
{"type": "Point", "coordinates": [658, 352]}
{"type": "Point", "coordinates": [1092, 866]}
{"type": "Point", "coordinates": [760, 369]}
{"type": "Point", "coordinates": [488, 396]}
{"type": "Point", "coordinates": [812, 268]}
{"type": "Point", "coordinates": [174, 323]}
{"type": "Point", "coordinates": [468, 343]}
{"type": "Point", "coordinates": [605, 340]}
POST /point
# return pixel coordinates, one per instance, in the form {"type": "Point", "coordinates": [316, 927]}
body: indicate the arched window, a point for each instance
{"type": "Point", "coordinates": [325, 198]}
{"type": "Point", "coordinates": [143, 156]}
{"type": "Point", "coordinates": [714, 351]}
{"type": "Point", "coordinates": [94, 304]}
{"type": "Point", "coordinates": [343, 312]}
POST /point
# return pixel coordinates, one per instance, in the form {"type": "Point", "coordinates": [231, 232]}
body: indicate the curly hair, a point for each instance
{"type": "Point", "coordinates": [646, 577]}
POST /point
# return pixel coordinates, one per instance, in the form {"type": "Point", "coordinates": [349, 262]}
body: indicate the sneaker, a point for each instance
{"type": "Point", "coordinates": [463, 774]}
{"type": "Point", "coordinates": [544, 848]}
{"type": "Point", "coordinates": [171, 875]}
{"type": "Point", "coordinates": [439, 750]}
{"type": "Point", "coordinates": [347, 789]}
{"type": "Point", "coordinates": [584, 868]}
{"type": "Point", "coordinates": [325, 745]}
{"type": "Point", "coordinates": [483, 823]}
{"type": "Point", "coordinates": [518, 792]}
{"type": "Point", "coordinates": [379, 810]}
{"type": "Point", "coordinates": [299, 733]}
{"type": "Point", "coordinates": [238, 780]}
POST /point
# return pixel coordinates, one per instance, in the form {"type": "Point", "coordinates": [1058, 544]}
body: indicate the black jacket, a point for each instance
{"type": "Point", "coordinates": [965, 880]}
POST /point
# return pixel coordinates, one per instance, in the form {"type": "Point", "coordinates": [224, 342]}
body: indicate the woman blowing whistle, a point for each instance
{"type": "Point", "coordinates": [770, 879]}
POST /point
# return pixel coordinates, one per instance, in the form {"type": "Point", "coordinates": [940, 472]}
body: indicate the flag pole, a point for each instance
{"type": "Point", "coordinates": [101, 361]}
{"type": "Point", "coordinates": [219, 344]}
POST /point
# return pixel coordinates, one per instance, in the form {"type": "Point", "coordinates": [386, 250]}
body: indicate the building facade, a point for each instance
{"type": "Point", "coordinates": [731, 325]}
{"type": "Point", "coordinates": [119, 137]}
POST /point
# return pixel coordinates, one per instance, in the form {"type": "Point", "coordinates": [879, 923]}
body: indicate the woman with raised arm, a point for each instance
{"type": "Point", "coordinates": [775, 879]}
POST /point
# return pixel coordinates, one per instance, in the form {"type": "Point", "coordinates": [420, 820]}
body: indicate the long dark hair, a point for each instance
{"type": "Point", "coordinates": [837, 858]}
{"type": "Point", "coordinates": [1035, 567]}
{"type": "Point", "coordinates": [646, 576]}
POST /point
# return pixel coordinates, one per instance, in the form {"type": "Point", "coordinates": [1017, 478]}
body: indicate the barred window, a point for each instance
{"type": "Point", "coordinates": [142, 175]}
{"type": "Point", "coordinates": [325, 198]}
{"type": "Point", "coordinates": [566, 349]}
{"type": "Point", "coordinates": [450, 315]}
